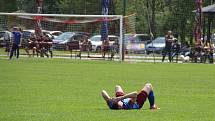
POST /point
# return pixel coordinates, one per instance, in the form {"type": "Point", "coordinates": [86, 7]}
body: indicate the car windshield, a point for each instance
{"type": "Point", "coordinates": [113, 38]}
{"type": "Point", "coordinates": [56, 33]}
{"type": "Point", "coordinates": [96, 38]}
{"type": "Point", "coordinates": [129, 38]}
{"type": "Point", "coordinates": [159, 40]}
{"type": "Point", "coordinates": [26, 34]}
{"type": "Point", "coordinates": [64, 36]}
{"type": "Point", "coordinates": [144, 37]}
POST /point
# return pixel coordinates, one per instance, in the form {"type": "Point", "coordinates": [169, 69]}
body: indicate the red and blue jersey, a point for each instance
{"type": "Point", "coordinates": [127, 104]}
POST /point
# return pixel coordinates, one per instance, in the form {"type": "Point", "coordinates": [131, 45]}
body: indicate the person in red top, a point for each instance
{"type": "Point", "coordinates": [47, 46]}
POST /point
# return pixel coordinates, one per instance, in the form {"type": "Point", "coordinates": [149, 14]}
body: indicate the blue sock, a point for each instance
{"type": "Point", "coordinates": [151, 98]}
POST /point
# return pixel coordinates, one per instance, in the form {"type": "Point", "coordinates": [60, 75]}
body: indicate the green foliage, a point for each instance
{"type": "Point", "coordinates": [79, 6]}
{"type": "Point", "coordinates": [69, 90]}
{"type": "Point", "coordinates": [8, 5]}
{"type": "Point", "coordinates": [51, 6]}
{"type": "Point", "coordinates": [162, 15]}
{"type": "Point", "coordinates": [180, 18]}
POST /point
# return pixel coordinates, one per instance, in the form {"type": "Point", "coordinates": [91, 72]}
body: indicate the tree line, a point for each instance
{"type": "Point", "coordinates": [159, 15]}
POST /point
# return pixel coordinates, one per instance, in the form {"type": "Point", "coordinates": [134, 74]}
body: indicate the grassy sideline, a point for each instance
{"type": "Point", "coordinates": [69, 90]}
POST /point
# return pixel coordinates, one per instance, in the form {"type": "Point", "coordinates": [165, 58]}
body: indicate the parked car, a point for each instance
{"type": "Point", "coordinates": [97, 43]}
{"type": "Point", "coordinates": [136, 42]}
{"type": "Point", "coordinates": [156, 45]}
{"type": "Point", "coordinates": [61, 42]}
{"type": "Point", "coordinates": [2, 35]}
{"type": "Point", "coordinates": [27, 33]}
{"type": "Point", "coordinates": [55, 34]}
{"type": "Point", "coordinates": [52, 34]}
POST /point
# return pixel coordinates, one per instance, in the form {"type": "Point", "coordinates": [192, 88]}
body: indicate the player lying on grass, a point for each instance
{"type": "Point", "coordinates": [131, 100]}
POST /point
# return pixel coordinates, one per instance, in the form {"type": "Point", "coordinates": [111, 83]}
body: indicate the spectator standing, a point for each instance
{"type": "Point", "coordinates": [17, 35]}
{"type": "Point", "coordinates": [169, 38]}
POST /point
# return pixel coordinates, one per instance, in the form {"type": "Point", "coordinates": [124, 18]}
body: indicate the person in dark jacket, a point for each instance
{"type": "Point", "coordinates": [169, 38]}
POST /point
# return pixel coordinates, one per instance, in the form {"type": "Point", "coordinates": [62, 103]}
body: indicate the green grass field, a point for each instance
{"type": "Point", "coordinates": [69, 90]}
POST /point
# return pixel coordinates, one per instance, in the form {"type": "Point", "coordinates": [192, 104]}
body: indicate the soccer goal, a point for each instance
{"type": "Point", "coordinates": [94, 26]}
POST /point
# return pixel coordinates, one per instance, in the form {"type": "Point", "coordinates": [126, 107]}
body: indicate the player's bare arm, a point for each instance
{"type": "Point", "coordinates": [129, 95]}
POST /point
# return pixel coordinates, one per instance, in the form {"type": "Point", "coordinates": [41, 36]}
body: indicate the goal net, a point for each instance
{"type": "Point", "coordinates": [64, 28]}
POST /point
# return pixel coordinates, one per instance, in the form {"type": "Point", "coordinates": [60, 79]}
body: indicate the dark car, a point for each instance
{"type": "Point", "coordinates": [62, 41]}
{"type": "Point", "coordinates": [26, 34]}
{"type": "Point", "coordinates": [136, 42]}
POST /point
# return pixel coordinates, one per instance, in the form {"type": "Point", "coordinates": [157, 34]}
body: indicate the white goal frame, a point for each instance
{"type": "Point", "coordinates": [120, 17]}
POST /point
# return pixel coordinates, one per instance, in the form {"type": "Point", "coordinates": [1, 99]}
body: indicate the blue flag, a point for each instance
{"type": "Point", "coordinates": [104, 28]}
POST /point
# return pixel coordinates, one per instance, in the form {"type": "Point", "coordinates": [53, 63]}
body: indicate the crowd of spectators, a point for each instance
{"type": "Point", "coordinates": [200, 52]}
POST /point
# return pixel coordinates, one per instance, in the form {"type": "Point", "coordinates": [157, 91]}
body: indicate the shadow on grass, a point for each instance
{"type": "Point", "coordinates": [106, 109]}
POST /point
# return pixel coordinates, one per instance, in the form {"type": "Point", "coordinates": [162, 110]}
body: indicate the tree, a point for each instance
{"type": "Point", "coordinates": [8, 5]}
{"type": "Point", "coordinates": [80, 6]}
{"type": "Point", "coordinates": [180, 19]}
{"type": "Point", "coordinates": [51, 6]}
{"type": "Point", "coordinates": [29, 6]}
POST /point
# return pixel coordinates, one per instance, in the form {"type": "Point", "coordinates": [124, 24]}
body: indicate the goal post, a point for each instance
{"type": "Point", "coordinates": [8, 20]}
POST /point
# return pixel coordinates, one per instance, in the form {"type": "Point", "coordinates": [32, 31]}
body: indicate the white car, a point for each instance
{"type": "Point", "coordinates": [50, 34]}
{"type": "Point", "coordinates": [97, 43]}
{"type": "Point", "coordinates": [53, 34]}
{"type": "Point", "coordinates": [3, 35]}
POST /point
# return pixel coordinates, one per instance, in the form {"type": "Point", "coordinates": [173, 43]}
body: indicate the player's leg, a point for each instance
{"type": "Point", "coordinates": [119, 91]}
{"type": "Point", "coordinates": [34, 51]}
{"type": "Point", "coordinates": [151, 97]}
{"type": "Point", "coordinates": [142, 95]}
{"type": "Point", "coordinates": [45, 52]}
{"type": "Point", "coordinates": [147, 92]}
{"type": "Point", "coordinates": [164, 52]}
{"type": "Point", "coordinates": [169, 55]}
{"type": "Point", "coordinates": [7, 46]}
{"type": "Point", "coordinates": [150, 92]}
{"type": "Point", "coordinates": [105, 95]}
{"type": "Point", "coordinates": [12, 50]}
{"type": "Point", "coordinates": [50, 51]}
{"type": "Point", "coordinates": [26, 48]}
{"type": "Point", "coordinates": [17, 50]}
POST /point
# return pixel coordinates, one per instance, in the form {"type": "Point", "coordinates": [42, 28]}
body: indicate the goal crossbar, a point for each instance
{"type": "Point", "coordinates": [61, 15]}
